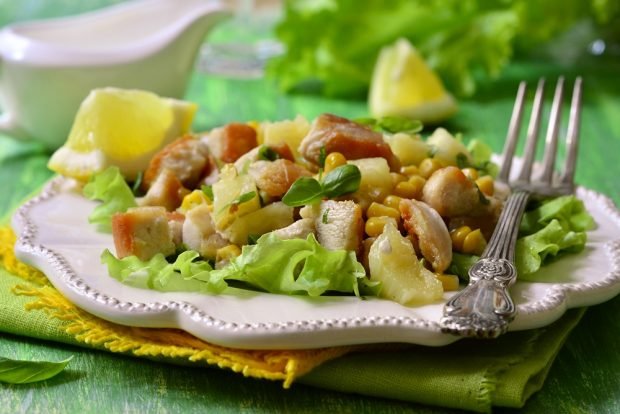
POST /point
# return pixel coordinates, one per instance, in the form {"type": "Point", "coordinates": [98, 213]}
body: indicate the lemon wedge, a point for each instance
{"type": "Point", "coordinates": [403, 85]}
{"type": "Point", "coordinates": [122, 127]}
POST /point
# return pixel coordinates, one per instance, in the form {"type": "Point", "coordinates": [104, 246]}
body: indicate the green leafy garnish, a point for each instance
{"type": "Point", "coordinates": [111, 188]}
{"type": "Point", "coordinates": [267, 153]}
{"type": "Point", "coordinates": [245, 197]}
{"type": "Point", "coordinates": [253, 238]}
{"type": "Point", "coordinates": [484, 166]}
{"type": "Point", "coordinates": [392, 124]}
{"type": "Point", "coordinates": [187, 273]}
{"type": "Point", "coordinates": [305, 190]}
{"type": "Point", "coordinates": [322, 157]}
{"type": "Point", "coordinates": [467, 43]}
{"type": "Point", "coordinates": [340, 181]}
{"type": "Point", "coordinates": [135, 188]}
{"type": "Point", "coordinates": [15, 371]}
{"type": "Point", "coordinates": [294, 266]}
{"type": "Point", "coordinates": [207, 190]}
{"type": "Point", "coordinates": [325, 217]}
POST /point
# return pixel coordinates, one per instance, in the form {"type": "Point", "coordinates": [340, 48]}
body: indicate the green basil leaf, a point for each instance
{"type": "Point", "coordinates": [253, 238]}
{"type": "Point", "coordinates": [208, 191]}
{"type": "Point", "coordinates": [243, 198]}
{"type": "Point", "coordinates": [366, 121]}
{"type": "Point", "coordinates": [462, 161]}
{"type": "Point", "coordinates": [322, 157]}
{"type": "Point", "coordinates": [232, 206]}
{"type": "Point", "coordinates": [15, 371]}
{"type": "Point", "coordinates": [342, 180]}
{"type": "Point", "coordinates": [325, 218]}
{"type": "Point", "coordinates": [135, 188]}
{"type": "Point", "coordinates": [305, 190]}
{"type": "Point", "coordinates": [394, 124]}
{"type": "Point", "coordinates": [266, 153]}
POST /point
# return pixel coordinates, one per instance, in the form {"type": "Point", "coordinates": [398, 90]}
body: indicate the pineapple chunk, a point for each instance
{"type": "Point", "coordinates": [376, 181]}
{"type": "Point", "coordinates": [290, 132]}
{"type": "Point", "coordinates": [403, 278]}
{"type": "Point", "coordinates": [445, 147]}
{"type": "Point", "coordinates": [226, 193]}
{"type": "Point", "coordinates": [410, 149]}
{"type": "Point", "coordinates": [271, 217]}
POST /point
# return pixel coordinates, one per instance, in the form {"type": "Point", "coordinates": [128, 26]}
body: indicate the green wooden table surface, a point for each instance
{"type": "Point", "coordinates": [585, 377]}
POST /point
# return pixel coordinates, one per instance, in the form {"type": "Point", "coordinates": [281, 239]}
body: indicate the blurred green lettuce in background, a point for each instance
{"type": "Point", "coordinates": [332, 45]}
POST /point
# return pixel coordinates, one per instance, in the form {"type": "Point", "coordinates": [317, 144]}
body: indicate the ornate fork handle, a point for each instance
{"type": "Point", "coordinates": [484, 308]}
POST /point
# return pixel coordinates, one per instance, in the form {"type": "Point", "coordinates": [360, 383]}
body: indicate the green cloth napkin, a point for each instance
{"type": "Point", "coordinates": [470, 374]}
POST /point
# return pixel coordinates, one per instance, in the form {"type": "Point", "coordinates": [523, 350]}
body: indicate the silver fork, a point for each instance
{"type": "Point", "coordinates": [484, 309]}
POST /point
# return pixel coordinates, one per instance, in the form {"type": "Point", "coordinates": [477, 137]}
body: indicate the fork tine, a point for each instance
{"type": "Point", "coordinates": [551, 141]}
{"type": "Point", "coordinates": [572, 135]}
{"type": "Point", "coordinates": [513, 133]}
{"type": "Point", "coordinates": [533, 133]}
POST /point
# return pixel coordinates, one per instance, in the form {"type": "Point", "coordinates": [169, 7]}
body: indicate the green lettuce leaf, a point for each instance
{"type": "Point", "coordinates": [110, 187]}
{"type": "Point", "coordinates": [295, 266]}
{"type": "Point", "coordinates": [186, 274]}
{"type": "Point", "coordinates": [332, 45]}
{"type": "Point", "coordinates": [461, 263]}
{"type": "Point", "coordinates": [481, 157]}
{"type": "Point", "coordinates": [558, 226]}
{"type": "Point", "coordinates": [547, 243]}
{"type": "Point", "coordinates": [568, 210]}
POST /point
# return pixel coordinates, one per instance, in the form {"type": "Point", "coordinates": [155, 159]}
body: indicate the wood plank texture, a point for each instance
{"type": "Point", "coordinates": [584, 379]}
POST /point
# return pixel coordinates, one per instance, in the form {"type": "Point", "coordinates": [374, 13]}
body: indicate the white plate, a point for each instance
{"type": "Point", "coordinates": [54, 236]}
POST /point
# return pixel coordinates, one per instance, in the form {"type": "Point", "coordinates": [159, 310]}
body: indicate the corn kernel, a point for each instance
{"type": "Point", "coordinates": [397, 178]}
{"type": "Point", "coordinates": [407, 189]}
{"type": "Point", "coordinates": [227, 253]}
{"type": "Point", "coordinates": [419, 182]}
{"type": "Point", "coordinates": [409, 170]}
{"type": "Point", "coordinates": [378, 210]}
{"type": "Point", "coordinates": [428, 166]}
{"type": "Point", "coordinates": [374, 225]}
{"type": "Point", "coordinates": [392, 201]}
{"type": "Point", "coordinates": [449, 282]}
{"type": "Point", "coordinates": [194, 199]}
{"type": "Point", "coordinates": [474, 243]}
{"type": "Point", "coordinates": [485, 184]}
{"type": "Point", "coordinates": [333, 161]}
{"type": "Point", "coordinates": [458, 236]}
{"type": "Point", "coordinates": [470, 173]}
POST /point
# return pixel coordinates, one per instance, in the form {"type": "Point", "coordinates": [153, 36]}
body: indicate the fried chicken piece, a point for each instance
{"type": "Point", "coordinates": [143, 232]}
{"type": "Point", "coordinates": [187, 158]}
{"type": "Point", "coordinates": [276, 177]}
{"type": "Point", "coordinates": [339, 224]}
{"type": "Point", "coordinates": [452, 194]}
{"type": "Point", "coordinates": [231, 141]}
{"type": "Point", "coordinates": [353, 140]}
{"type": "Point", "coordinates": [166, 191]}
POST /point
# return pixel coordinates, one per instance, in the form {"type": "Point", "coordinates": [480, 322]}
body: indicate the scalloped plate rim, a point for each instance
{"type": "Point", "coordinates": [298, 333]}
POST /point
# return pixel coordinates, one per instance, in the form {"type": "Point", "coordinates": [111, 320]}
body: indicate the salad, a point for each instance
{"type": "Point", "coordinates": [331, 206]}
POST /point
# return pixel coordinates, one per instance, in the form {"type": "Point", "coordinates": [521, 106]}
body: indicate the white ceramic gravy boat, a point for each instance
{"type": "Point", "coordinates": [48, 67]}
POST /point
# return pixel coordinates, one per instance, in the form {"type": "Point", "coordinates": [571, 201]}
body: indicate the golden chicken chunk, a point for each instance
{"type": "Point", "coordinates": [187, 158]}
{"type": "Point", "coordinates": [143, 232]}
{"type": "Point", "coordinates": [354, 141]}
{"type": "Point", "coordinates": [275, 178]}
